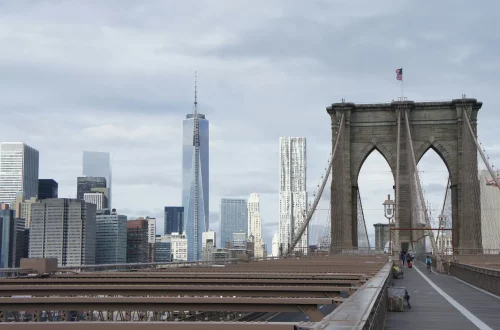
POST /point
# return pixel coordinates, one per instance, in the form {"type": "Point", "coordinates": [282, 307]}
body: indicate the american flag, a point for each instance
{"type": "Point", "coordinates": [399, 74]}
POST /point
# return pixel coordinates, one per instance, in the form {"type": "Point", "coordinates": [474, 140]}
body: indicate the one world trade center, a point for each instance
{"type": "Point", "coordinates": [195, 180]}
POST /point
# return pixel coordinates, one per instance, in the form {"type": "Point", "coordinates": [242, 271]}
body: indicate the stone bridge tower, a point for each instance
{"type": "Point", "coordinates": [436, 125]}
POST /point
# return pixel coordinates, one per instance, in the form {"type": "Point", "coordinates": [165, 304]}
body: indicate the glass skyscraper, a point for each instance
{"type": "Point", "coordinates": [111, 238]}
{"type": "Point", "coordinates": [174, 220]}
{"type": "Point", "coordinates": [195, 182]}
{"type": "Point", "coordinates": [233, 218]}
{"type": "Point", "coordinates": [18, 171]}
{"type": "Point", "coordinates": [98, 164]}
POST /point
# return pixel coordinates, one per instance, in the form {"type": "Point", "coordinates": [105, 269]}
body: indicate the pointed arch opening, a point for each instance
{"type": "Point", "coordinates": [434, 175]}
{"type": "Point", "coordinates": [375, 181]}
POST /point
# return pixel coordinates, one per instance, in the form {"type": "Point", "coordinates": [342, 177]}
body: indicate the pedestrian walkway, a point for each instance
{"type": "Point", "coordinates": [443, 302]}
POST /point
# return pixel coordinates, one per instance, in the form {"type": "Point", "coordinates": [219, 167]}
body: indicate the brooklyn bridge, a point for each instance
{"type": "Point", "coordinates": [344, 282]}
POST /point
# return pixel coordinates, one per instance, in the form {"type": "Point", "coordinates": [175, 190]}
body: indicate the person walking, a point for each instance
{"type": "Point", "coordinates": [403, 257]}
{"type": "Point", "coordinates": [428, 262]}
{"type": "Point", "coordinates": [408, 259]}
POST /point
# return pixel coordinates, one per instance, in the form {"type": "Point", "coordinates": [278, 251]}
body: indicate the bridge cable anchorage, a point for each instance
{"type": "Point", "coordinates": [418, 207]}
{"type": "Point", "coordinates": [318, 194]}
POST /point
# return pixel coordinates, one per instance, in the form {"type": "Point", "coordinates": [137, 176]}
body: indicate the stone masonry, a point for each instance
{"type": "Point", "coordinates": [436, 125]}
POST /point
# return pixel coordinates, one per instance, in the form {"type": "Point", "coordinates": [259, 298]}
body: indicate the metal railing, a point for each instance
{"type": "Point", "coordinates": [463, 252]}
{"type": "Point", "coordinates": [365, 309]}
{"type": "Point", "coordinates": [485, 278]}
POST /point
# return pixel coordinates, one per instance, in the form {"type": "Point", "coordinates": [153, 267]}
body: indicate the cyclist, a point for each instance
{"type": "Point", "coordinates": [428, 262]}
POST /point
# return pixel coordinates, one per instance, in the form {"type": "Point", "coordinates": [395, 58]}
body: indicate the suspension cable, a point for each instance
{"type": "Point", "coordinates": [318, 195]}
{"type": "Point", "coordinates": [418, 184]}
{"type": "Point", "coordinates": [483, 156]}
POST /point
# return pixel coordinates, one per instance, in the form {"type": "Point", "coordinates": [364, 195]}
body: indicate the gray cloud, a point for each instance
{"type": "Point", "coordinates": [434, 188]}
{"type": "Point", "coordinates": [124, 83]}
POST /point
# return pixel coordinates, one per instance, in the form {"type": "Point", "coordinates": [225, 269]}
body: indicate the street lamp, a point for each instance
{"type": "Point", "coordinates": [389, 208]}
{"type": "Point", "coordinates": [389, 214]}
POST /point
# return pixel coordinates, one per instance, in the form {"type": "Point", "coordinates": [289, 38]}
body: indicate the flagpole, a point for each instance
{"type": "Point", "coordinates": [402, 85]}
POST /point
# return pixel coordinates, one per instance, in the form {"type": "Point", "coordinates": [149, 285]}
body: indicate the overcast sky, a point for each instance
{"type": "Point", "coordinates": [117, 76]}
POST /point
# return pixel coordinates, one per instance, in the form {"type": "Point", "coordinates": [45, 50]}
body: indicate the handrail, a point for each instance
{"type": "Point", "coordinates": [355, 313]}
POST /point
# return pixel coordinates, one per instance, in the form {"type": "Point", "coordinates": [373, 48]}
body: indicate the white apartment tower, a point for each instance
{"type": "Point", "coordinates": [255, 224]}
{"type": "Point", "coordinates": [18, 171]}
{"type": "Point", "coordinates": [490, 214]}
{"type": "Point", "coordinates": [293, 195]}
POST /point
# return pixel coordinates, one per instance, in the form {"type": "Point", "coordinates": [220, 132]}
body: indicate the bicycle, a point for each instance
{"type": "Point", "coordinates": [429, 269]}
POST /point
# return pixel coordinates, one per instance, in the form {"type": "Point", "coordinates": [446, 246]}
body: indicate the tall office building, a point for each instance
{"type": "Point", "coordinates": [179, 247]}
{"type": "Point", "coordinates": [292, 195]}
{"type": "Point", "coordinates": [239, 245]}
{"type": "Point", "coordinates": [233, 218]}
{"type": "Point", "coordinates": [111, 238]}
{"type": "Point", "coordinates": [63, 228]}
{"type": "Point", "coordinates": [98, 164]}
{"type": "Point", "coordinates": [47, 188]}
{"type": "Point", "coordinates": [174, 220]}
{"type": "Point", "coordinates": [151, 230]}
{"type": "Point", "coordinates": [99, 199]}
{"type": "Point", "coordinates": [18, 171]}
{"type": "Point", "coordinates": [85, 184]}
{"type": "Point", "coordinates": [11, 238]}
{"type": "Point", "coordinates": [162, 249]}
{"type": "Point", "coordinates": [195, 199]}
{"type": "Point", "coordinates": [137, 241]}
{"type": "Point", "coordinates": [255, 224]}
{"type": "Point", "coordinates": [25, 210]}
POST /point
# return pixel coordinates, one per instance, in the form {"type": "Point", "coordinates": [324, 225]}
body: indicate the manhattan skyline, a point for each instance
{"type": "Point", "coordinates": [124, 85]}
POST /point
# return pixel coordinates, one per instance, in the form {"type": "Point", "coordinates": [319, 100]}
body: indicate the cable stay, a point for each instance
{"type": "Point", "coordinates": [312, 208]}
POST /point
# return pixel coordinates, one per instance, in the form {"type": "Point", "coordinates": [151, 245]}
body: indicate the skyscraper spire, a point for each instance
{"type": "Point", "coordinates": [195, 93]}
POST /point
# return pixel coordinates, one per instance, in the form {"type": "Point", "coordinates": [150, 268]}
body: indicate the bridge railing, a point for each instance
{"type": "Point", "coordinates": [365, 309]}
{"type": "Point", "coordinates": [485, 278]}
{"type": "Point", "coordinates": [463, 252]}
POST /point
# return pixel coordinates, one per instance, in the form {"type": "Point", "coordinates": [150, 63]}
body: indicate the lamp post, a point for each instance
{"type": "Point", "coordinates": [389, 214]}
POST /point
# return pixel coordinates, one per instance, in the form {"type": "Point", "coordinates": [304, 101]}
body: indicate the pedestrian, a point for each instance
{"type": "Point", "coordinates": [403, 257]}
{"type": "Point", "coordinates": [408, 259]}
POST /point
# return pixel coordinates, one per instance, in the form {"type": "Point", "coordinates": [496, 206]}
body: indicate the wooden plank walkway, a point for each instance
{"type": "Point", "coordinates": [430, 310]}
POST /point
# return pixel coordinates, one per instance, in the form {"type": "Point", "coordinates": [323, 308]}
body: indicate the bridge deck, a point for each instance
{"type": "Point", "coordinates": [430, 310]}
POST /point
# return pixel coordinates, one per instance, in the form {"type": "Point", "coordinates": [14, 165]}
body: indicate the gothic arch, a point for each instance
{"type": "Point", "coordinates": [366, 152]}
{"type": "Point", "coordinates": [443, 153]}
